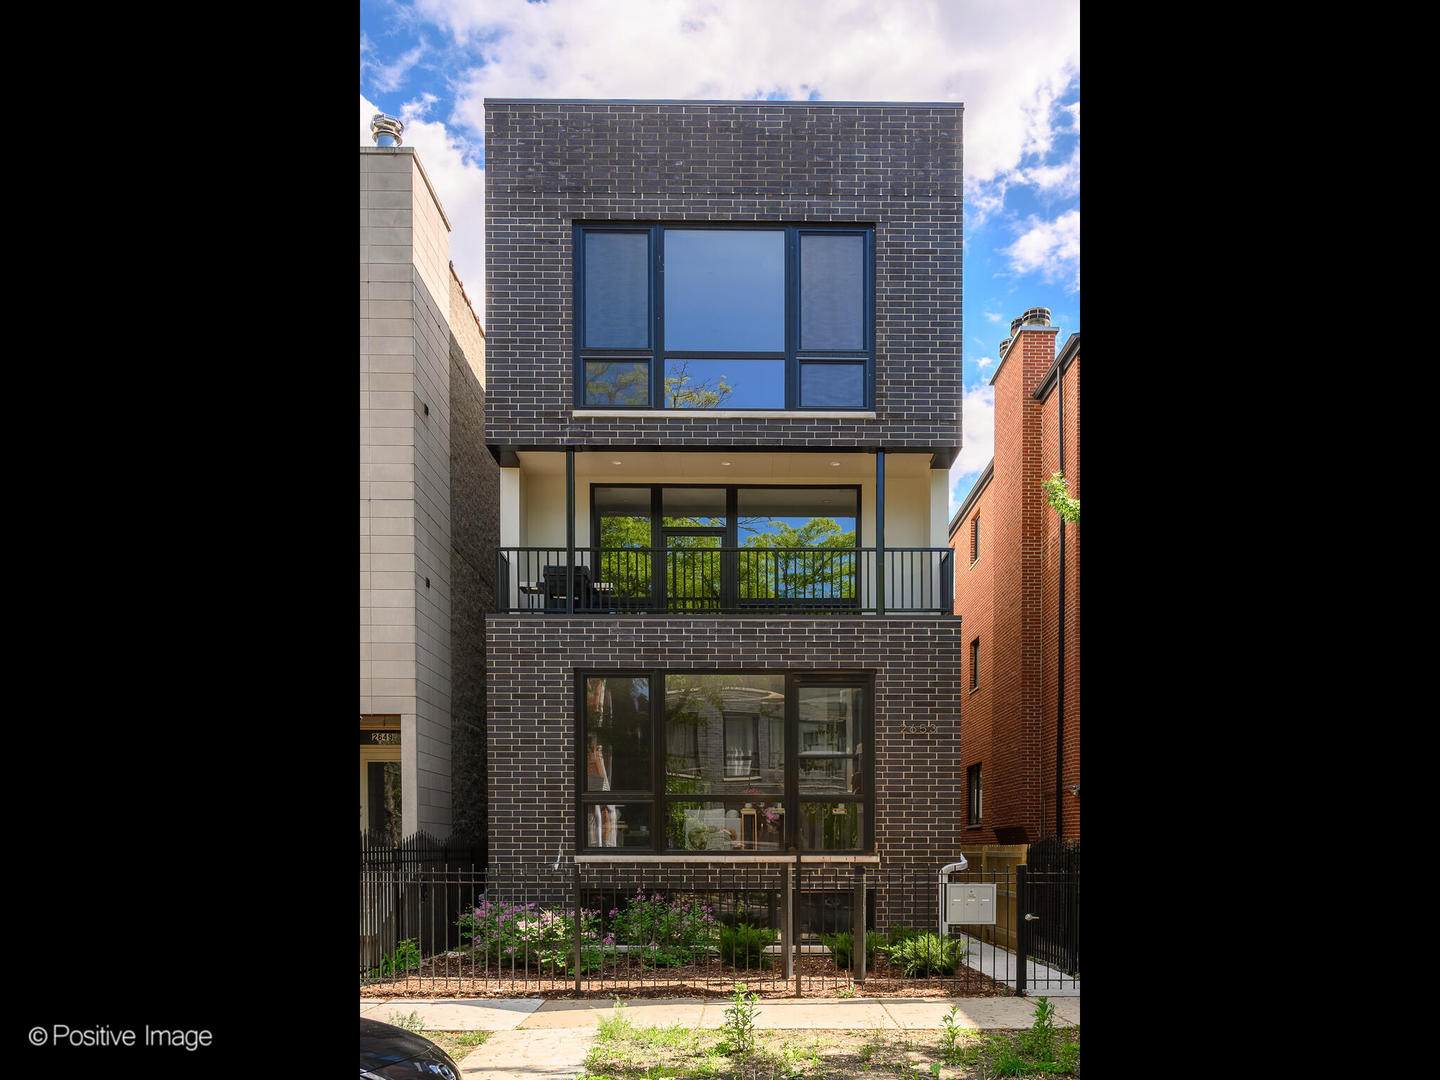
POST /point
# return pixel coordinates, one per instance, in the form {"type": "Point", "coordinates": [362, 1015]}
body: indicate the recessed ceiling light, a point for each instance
{"type": "Point", "coordinates": [724, 463]}
{"type": "Point", "coordinates": [834, 464]}
{"type": "Point", "coordinates": [617, 463]}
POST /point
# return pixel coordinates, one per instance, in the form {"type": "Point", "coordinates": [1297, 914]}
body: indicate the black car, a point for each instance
{"type": "Point", "coordinates": [391, 1053]}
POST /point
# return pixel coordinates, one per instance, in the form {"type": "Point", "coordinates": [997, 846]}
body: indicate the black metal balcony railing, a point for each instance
{"type": "Point", "coordinates": [726, 580]}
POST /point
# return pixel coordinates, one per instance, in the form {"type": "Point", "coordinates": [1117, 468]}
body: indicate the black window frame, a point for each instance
{"type": "Point", "coordinates": [975, 664]}
{"type": "Point", "coordinates": [975, 539]}
{"type": "Point", "coordinates": [655, 353]}
{"type": "Point", "coordinates": [657, 797]}
{"type": "Point", "coordinates": [974, 804]}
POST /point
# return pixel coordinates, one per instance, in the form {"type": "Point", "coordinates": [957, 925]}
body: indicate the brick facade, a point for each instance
{"type": "Point", "coordinates": [1009, 599]}
{"type": "Point", "coordinates": [532, 715]}
{"type": "Point", "coordinates": [551, 164]}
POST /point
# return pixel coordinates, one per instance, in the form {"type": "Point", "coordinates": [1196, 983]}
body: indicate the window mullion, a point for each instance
{"type": "Point", "coordinates": [792, 316]}
{"type": "Point", "coordinates": [660, 744]}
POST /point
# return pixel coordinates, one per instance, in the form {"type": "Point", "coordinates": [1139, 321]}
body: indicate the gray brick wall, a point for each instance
{"type": "Point", "coordinates": [550, 164]}
{"type": "Point", "coordinates": [532, 714]}
{"type": "Point", "coordinates": [475, 533]}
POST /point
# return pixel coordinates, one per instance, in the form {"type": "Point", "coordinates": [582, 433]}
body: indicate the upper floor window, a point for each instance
{"type": "Point", "coordinates": [975, 539]}
{"type": "Point", "coordinates": [698, 317]}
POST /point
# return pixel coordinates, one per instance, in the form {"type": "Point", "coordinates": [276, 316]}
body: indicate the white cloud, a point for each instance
{"type": "Point", "coordinates": [994, 316]}
{"type": "Point", "coordinates": [1062, 178]}
{"type": "Point", "coordinates": [450, 162]}
{"type": "Point", "coordinates": [1052, 248]}
{"type": "Point", "coordinates": [1009, 63]}
{"type": "Point", "coordinates": [984, 362]}
{"type": "Point", "coordinates": [387, 77]}
{"type": "Point", "coordinates": [978, 442]}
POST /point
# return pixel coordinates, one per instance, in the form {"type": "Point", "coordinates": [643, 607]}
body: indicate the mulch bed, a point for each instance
{"type": "Point", "coordinates": [464, 977]}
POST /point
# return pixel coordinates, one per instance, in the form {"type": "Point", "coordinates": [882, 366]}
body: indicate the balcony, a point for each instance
{"type": "Point", "coordinates": [703, 578]}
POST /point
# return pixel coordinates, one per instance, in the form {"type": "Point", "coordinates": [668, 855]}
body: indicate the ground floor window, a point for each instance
{"type": "Point", "coordinates": [725, 762]}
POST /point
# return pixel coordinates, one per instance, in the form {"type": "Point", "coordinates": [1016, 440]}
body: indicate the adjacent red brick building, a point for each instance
{"type": "Point", "coordinates": [1017, 591]}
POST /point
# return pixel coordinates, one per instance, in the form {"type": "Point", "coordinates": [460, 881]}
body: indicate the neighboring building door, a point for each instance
{"type": "Point", "coordinates": [380, 791]}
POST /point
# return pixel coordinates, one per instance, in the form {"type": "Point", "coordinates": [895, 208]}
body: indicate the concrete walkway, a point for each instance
{"type": "Point", "coordinates": [548, 1040]}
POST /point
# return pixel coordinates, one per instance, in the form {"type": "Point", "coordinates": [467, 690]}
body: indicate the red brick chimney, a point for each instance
{"type": "Point", "coordinates": [1018, 543]}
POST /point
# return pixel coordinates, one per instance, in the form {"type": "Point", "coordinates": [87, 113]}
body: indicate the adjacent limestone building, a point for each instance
{"type": "Point", "coordinates": [428, 498]}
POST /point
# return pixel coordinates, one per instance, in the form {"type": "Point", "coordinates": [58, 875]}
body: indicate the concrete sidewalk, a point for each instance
{"type": "Point", "coordinates": [548, 1040]}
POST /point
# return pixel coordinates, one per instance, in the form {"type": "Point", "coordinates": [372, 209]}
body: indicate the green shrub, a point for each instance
{"type": "Point", "coordinates": [743, 946]}
{"type": "Point", "coordinates": [928, 954]}
{"type": "Point", "coordinates": [896, 935]}
{"type": "Point", "coordinates": [740, 1021]}
{"type": "Point", "coordinates": [523, 935]}
{"type": "Point", "coordinates": [671, 932]}
{"type": "Point", "coordinates": [842, 948]}
{"type": "Point", "coordinates": [406, 957]}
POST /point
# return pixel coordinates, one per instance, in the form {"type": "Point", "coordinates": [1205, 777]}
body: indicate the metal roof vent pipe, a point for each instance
{"type": "Point", "coordinates": [1005, 345]}
{"type": "Point", "coordinates": [386, 130]}
{"type": "Point", "coordinates": [1035, 316]}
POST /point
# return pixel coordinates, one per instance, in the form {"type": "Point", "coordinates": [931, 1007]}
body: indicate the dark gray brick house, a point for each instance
{"type": "Point", "coordinates": [724, 393]}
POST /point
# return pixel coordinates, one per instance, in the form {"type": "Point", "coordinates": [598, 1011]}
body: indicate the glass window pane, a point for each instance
{"type": "Point", "coordinates": [693, 507]}
{"type": "Point", "coordinates": [832, 385]}
{"type": "Point", "coordinates": [617, 290]}
{"type": "Point", "coordinates": [832, 292]}
{"type": "Point", "coordinates": [617, 733]}
{"type": "Point", "coordinates": [745, 383]}
{"type": "Point", "coordinates": [617, 825]}
{"type": "Point", "coordinates": [796, 517]}
{"type": "Point", "coordinates": [830, 826]}
{"type": "Point", "coordinates": [755, 824]}
{"type": "Point", "coordinates": [831, 753]}
{"type": "Point", "coordinates": [725, 289]}
{"type": "Point", "coordinates": [617, 382]}
{"type": "Point", "coordinates": [734, 720]}
{"type": "Point", "coordinates": [384, 798]}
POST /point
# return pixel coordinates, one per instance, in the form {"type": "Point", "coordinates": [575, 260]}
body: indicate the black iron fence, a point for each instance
{"type": "Point", "coordinates": [433, 925]}
{"type": "Point", "coordinates": [702, 579]}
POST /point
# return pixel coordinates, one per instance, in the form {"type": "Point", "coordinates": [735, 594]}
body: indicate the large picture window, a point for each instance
{"type": "Point", "coordinates": [732, 317]}
{"type": "Point", "coordinates": [725, 762]}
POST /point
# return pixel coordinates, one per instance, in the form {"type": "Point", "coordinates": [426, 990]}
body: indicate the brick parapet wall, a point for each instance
{"type": "Point", "coordinates": [532, 714]}
{"type": "Point", "coordinates": [551, 164]}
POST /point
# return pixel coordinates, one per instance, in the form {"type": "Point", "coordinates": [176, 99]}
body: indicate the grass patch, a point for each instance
{"type": "Point", "coordinates": [458, 1044]}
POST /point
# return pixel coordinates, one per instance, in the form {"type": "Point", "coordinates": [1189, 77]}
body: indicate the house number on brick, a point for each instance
{"type": "Point", "coordinates": [919, 727]}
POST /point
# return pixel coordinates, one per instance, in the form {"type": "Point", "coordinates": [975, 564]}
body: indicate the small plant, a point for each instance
{"type": "Point", "coordinates": [743, 946]}
{"type": "Point", "coordinates": [406, 957]}
{"type": "Point", "coordinates": [846, 991]}
{"type": "Point", "coordinates": [950, 1038]}
{"type": "Point", "coordinates": [410, 1021]}
{"type": "Point", "coordinates": [896, 935]}
{"type": "Point", "coordinates": [614, 1026]}
{"type": "Point", "coordinates": [1057, 494]}
{"type": "Point", "coordinates": [928, 954]}
{"type": "Point", "coordinates": [740, 1021]}
{"type": "Point", "coordinates": [842, 948]}
{"type": "Point", "coordinates": [1039, 1041]}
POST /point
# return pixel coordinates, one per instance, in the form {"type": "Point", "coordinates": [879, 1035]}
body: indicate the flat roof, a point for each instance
{"type": "Point", "coordinates": [980, 485]}
{"type": "Point", "coordinates": [721, 101]}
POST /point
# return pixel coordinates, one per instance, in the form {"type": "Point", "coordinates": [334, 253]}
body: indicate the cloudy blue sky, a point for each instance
{"type": "Point", "coordinates": [1014, 63]}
